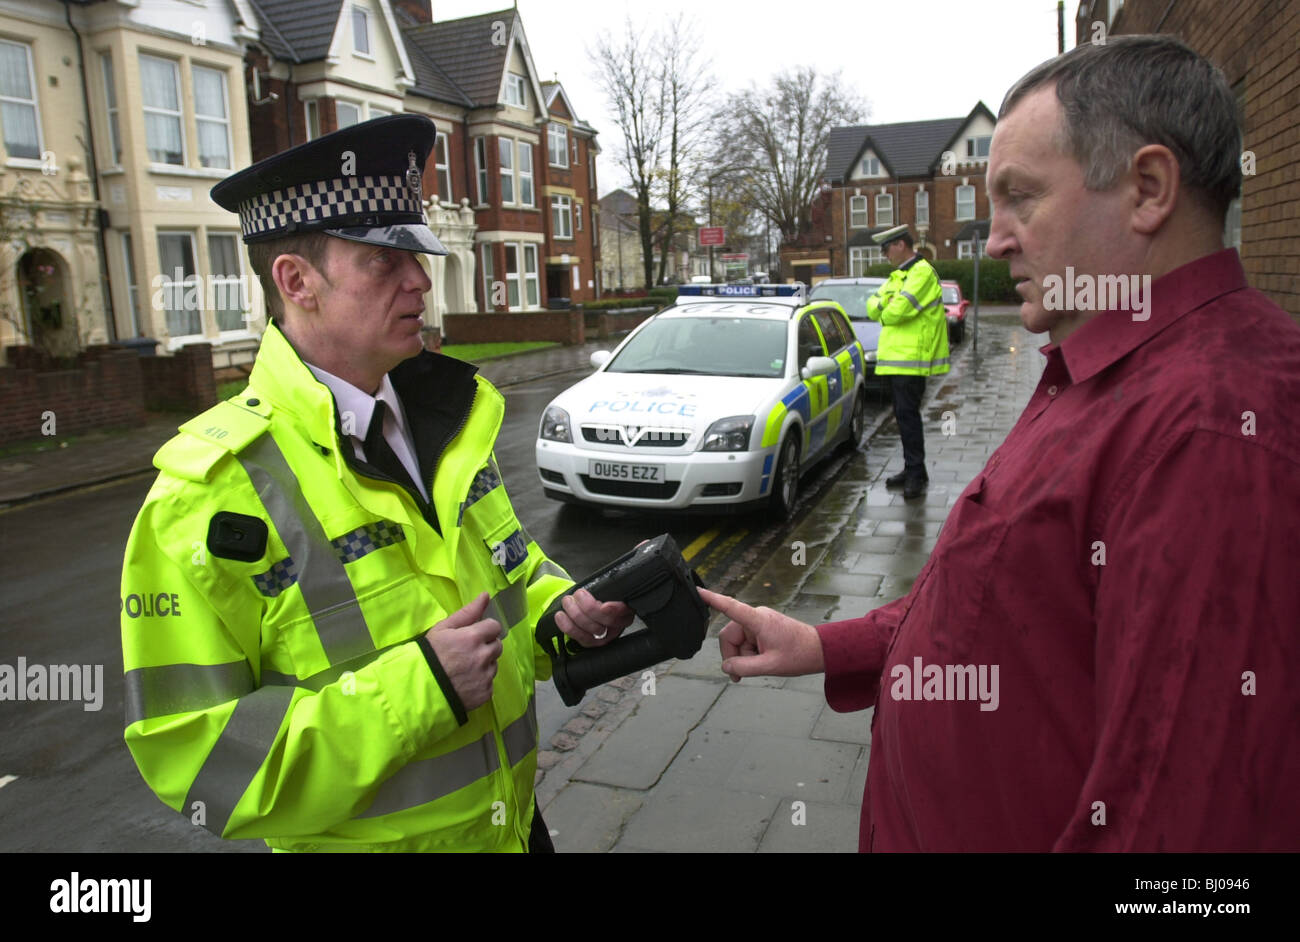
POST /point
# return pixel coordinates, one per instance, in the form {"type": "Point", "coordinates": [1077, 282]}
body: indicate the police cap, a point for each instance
{"type": "Point", "coordinates": [361, 183]}
{"type": "Point", "coordinates": [890, 235]}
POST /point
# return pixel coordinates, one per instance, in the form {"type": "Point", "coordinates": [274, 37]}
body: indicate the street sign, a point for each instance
{"type": "Point", "coordinates": [712, 235]}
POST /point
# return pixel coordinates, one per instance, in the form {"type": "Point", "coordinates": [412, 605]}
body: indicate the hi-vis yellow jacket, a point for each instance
{"type": "Point", "coordinates": [282, 695]}
{"type": "Point", "coordinates": [914, 332]}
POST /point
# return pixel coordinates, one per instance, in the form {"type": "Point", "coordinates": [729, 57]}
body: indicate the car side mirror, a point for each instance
{"type": "Point", "coordinates": [600, 358]}
{"type": "Point", "coordinates": [818, 366]}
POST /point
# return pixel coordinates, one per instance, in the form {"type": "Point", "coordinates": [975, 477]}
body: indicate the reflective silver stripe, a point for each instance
{"type": "Point", "coordinates": [234, 761]}
{"type": "Point", "coordinates": [430, 779]}
{"type": "Point", "coordinates": [916, 304]}
{"type": "Point", "coordinates": [913, 364]}
{"type": "Point", "coordinates": [322, 679]}
{"type": "Point", "coordinates": [520, 737]}
{"type": "Point", "coordinates": [548, 568]}
{"type": "Point", "coordinates": [509, 606]}
{"type": "Point", "coordinates": [183, 688]}
{"type": "Point", "coordinates": [324, 582]}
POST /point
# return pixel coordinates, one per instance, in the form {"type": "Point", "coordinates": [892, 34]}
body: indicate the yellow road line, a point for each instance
{"type": "Point", "coordinates": [720, 551]}
{"type": "Point", "coordinates": [703, 540]}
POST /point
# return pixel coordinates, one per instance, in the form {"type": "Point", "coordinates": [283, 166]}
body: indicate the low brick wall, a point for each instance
{"type": "Point", "coordinates": [609, 323]}
{"type": "Point", "coordinates": [563, 326]}
{"type": "Point", "coordinates": [103, 390]}
{"type": "Point", "coordinates": [183, 382]}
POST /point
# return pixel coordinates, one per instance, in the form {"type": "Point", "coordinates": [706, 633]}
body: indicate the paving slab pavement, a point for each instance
{"type": "Point", "coordinates": [766, 765]}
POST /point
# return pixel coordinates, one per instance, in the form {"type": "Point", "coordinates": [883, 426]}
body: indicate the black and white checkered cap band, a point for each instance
{"type": "Point", "coordinates": [303, 203]}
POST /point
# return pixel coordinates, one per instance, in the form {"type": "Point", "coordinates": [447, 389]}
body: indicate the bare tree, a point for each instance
{"type": "Point", "coordinates": [656, 86]}
{"type": "Point", "coordinates": [627, 74]}
{"type": "Point", "coordinates": [782, 134]}
{"type": "Point", "coordinates": [684, 81]}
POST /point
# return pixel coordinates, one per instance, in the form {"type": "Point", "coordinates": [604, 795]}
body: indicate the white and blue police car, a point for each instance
{"type": "Point", "coordinates": [720, 401]}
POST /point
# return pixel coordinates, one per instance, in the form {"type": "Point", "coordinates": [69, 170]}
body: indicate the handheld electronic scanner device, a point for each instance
{"type": "Point", "coordinates": [657, 584]}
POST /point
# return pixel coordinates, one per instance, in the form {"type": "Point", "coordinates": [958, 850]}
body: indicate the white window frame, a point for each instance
{"type": "Point", "coordinates": [177, 340]}
{"type": "Point", "coordinates": [855, 212]}
{"type": "Point", "coordinates": [506, 156]}
{"type": "Point", "coordinates": [923, 207]}
{"type": "Point", "coordinates": [861, 256]}
{"type": "Point", "coordinates": [33, 103]}
{"type": "Point", "coordinates": [481, 169]}
{"type": "Point", "coordinates": [377, 111]}
{"type": "Point", "coordinates": [577, 216]}
{"type": "Point", "coordinates": [970, 213]}
{"type": "Point", "coordinates": [557, 142]}
{"type": "Point", "coordinates": [443, 169]}
{"type": "Point", "coordinates": [525, 176]}
{"type": "Point", "coordinates": [966, 248]}
{"type": "Point", "coordinates": [311, 118]}
{"type": "Point", "coordinates": [224, 121]}
{"type": "Point", "coordinates": [219, 285]}
{"type": "Point", "coordinates": [973, 147]}
{"type": "Point", "coordinates": [132, 285]}
{"type": "Point", "coordinates": [343, 102]}
{"type": "Point", "coordinates": [884, 214]}
{"type": "Point", "coordinates": [364, 14]}
{"type": "Point", "coordinates": [562, 217]}
{"type": "Point", "coordinates": [516, 90]}
{"type": "Point", "coordinates": [178, 115]}
{"type": "Point", "coordinates": [524, 280]}
{"type": "Point", "coordinates": [489, 274]}
{"type": "Point", "coordinates": [872, 170]}
{"type": "Point", "coordinates": [110, 107]}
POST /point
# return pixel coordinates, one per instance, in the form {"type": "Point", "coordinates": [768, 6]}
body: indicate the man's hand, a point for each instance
{"type": "Point", "coordinates": [761, 641]}
{"type": "Point", "coordinates": [467, 646]}
{"type": "Point", "coordinates": [592, 623]}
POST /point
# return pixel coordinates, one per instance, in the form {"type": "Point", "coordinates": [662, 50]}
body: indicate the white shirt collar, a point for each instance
{"type": "Point", "coordinates": [359, 404]}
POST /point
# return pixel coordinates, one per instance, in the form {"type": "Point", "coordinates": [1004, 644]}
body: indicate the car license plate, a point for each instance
{"type": "Point", "coordinates": [616, 471]}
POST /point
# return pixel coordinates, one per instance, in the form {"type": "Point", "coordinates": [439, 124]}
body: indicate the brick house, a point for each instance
{"type": "Point", "coordinates": [513, 211]}
{"type": "Point", "coordinates": [1254, 42]}
{"type": "Point", "coordinates": [928, 174]}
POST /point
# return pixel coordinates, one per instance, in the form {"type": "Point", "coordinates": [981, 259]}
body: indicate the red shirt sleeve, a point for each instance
{"type": "Point", "coordinates": [854, 651]}
{"type": "Point", "coordinates": [1197, 712]}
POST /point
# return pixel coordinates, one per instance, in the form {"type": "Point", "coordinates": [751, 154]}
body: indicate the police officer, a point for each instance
{"type": "Point", "coordinates": [351, 663]}
{"type": "Point", "coordinates": [913, 345]}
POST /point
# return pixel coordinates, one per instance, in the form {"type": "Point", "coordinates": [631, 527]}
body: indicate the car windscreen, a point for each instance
{"type": "Point", "coordinates": [709, 346]}
{"type": "Point", "coordinates": [853, 298]}
{"type": "Point", "coordinates": [950, 296]}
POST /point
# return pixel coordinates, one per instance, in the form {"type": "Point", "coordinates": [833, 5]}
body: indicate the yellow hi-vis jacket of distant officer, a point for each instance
{"type": "Point", "coordinates": [281, 694]}
{"type": "Point", "coordinates": [914, 331]}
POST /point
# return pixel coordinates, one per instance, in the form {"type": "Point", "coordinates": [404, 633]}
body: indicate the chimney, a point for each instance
{"type": "Point", "coordinates": [421, 11]}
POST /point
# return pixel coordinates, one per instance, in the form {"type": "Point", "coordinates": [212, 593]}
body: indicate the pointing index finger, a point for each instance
{"type": "Point", "coordinates": [734, 609]}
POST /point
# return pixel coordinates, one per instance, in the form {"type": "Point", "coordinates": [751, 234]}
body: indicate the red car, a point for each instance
{"type": "Point", "coordinates": [955, 306]}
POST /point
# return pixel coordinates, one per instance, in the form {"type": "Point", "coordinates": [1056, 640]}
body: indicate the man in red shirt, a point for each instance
{"type": "Point", "coordinates": [1101, 651]}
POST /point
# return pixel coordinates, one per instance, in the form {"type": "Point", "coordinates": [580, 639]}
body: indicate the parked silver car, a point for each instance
{"type": "Point", "coordinates": [851, 294]}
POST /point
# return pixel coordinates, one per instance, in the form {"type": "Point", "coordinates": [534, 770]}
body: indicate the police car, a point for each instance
{"type": "Point", "coordinates": [720, 401]}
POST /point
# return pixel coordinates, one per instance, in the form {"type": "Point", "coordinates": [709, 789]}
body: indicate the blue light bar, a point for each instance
{"type": "Point", "coordinates": [740, 291]}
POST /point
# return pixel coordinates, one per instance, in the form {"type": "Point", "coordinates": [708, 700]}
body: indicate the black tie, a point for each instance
{"type": "Point", "coordinates": [381, 455]}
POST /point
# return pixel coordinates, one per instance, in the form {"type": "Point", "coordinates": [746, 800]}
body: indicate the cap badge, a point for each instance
{"type": "Point", "coordinates": [413, 178]}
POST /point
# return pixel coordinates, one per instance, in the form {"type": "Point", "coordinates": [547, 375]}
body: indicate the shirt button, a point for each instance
{"type": "Point", "coordinates": [1051, 390]}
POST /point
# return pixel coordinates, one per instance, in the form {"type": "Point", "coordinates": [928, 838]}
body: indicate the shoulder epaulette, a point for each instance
{"type": "Point", "coordinates": [226, 428]}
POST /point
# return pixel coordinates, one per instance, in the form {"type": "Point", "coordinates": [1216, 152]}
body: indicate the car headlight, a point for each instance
{"type": "Point", "coordinates": [871, 356]}
{"type": "Point", "coordinates": [729, 434]}
{"type": "Point", "coordinates": [555, 425]}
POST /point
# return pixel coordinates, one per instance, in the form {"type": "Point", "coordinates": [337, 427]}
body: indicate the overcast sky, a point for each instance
{"type": "Point", "coordinates": [909, 60]}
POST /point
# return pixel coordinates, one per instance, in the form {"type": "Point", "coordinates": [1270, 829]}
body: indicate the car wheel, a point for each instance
{"type": "Point", "coordinates": [857, 422]}
{"type": "Point", "coordinates": [785, 484]}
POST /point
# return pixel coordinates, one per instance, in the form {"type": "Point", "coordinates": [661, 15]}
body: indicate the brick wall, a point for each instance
{"type": "Point", "coordinates": [562, 326]}
{"type": "Point", "coordinates": [103, 390]}
{"type": "Point", "coordinates": [184, 382]}
{"type": "Point", "coordinates": [1254, 42]}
